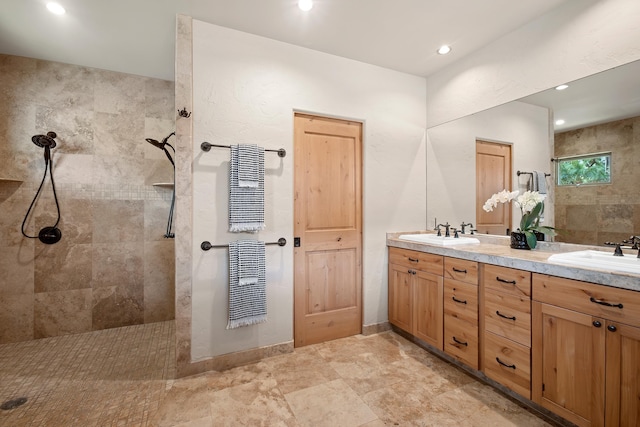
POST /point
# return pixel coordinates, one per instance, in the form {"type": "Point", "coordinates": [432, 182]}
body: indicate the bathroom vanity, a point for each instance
{"type": "Point", "coordinates": [566, 338]}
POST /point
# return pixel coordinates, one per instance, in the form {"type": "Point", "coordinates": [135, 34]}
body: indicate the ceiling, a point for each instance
{"type": "Point", "coordinates": [600, 98]}
{"type": "Point", "coordinates": [137, 36]}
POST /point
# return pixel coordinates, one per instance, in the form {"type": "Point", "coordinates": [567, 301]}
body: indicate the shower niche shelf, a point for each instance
{"type": "Point", "coordinates": [163, 184]}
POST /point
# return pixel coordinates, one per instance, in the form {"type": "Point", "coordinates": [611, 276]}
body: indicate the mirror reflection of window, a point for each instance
{"type": "Point", "coordinates": [583, 170]}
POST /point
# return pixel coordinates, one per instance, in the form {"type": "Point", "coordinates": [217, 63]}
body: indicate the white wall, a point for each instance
{"type": "Point", "coordinates": [246, 89]}
{"type": "Point", "coordinates": [577, 39]}
{"type": "Point", "coordinates": [451, 158]}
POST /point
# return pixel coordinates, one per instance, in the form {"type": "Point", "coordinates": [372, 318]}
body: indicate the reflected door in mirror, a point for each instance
{"type": "Point", "coordinates": [493, 174]}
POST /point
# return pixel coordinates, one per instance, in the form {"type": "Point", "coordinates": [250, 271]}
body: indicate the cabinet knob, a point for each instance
{"type": "Point", "coordinates": [597, 323]}
{"type": "Point", "coordinates": [612, 328]}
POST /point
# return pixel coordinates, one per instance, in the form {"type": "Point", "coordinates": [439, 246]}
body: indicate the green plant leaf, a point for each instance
{"type": "Point", "coordinates": [532, 241]}
{"type": "Point", "coordinates": [528, 219]}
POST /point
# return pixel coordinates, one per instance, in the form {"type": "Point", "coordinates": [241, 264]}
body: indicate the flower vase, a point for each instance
{"type": "Point", "coordinates": [519, 239]}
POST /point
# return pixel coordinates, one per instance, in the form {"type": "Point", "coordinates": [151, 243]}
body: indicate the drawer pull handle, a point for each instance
{"type": "Point", "coordinates": [608, 304]}
{"type": "Point", "coordinates": [460, 342]}
{"type": "Point", "coordinates": [504, 364]}
{"type": "Point", "coordinates": [460, 271]}
{"type": "Point", "coordinates": [459, 300]}
{"type": "Point", "coordinates": [413, 260]}
{"type": "Point", "coordinates": [505, 317]}
{"type": "Point", "coordinates": [510, 282]}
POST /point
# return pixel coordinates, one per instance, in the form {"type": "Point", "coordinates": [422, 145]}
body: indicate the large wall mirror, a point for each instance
{"type": "Point", "coordinates": [601, 113]}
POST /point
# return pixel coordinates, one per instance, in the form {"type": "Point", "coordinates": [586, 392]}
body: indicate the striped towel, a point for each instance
{"type": "Point", "coordinates": [247, 303]}
{"type": "Point", "coordinates": [248, 166]}
{"type": "Point", "coordinates": [246, 204]}
{"type": "Point", "coordinates": [250, 260]}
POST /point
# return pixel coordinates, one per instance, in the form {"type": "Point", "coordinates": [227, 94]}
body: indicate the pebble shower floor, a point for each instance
{"type": "Point", "coordinates": [102, 378]}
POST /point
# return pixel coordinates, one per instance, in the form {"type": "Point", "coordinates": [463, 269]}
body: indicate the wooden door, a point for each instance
{"type": "Point", "coordinates": [427, 308]}
{"type": "Point", "coordinates": [328, 222]}
{"type": "Point", "coordinates": [400, 297]}
{"type": "Point", "coordinates": [623, 375]}
{"type": "Point", "coordinates": [493, 174]}
{"type": "Point", "coordinates": [568, 364]}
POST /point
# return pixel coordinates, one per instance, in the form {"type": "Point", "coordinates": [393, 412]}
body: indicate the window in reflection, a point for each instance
{"type": "Point", "coordinates": [588, 169]}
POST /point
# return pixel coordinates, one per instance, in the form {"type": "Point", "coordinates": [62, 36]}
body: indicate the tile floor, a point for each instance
{"type": "Point", "coordinates": [122, 377]}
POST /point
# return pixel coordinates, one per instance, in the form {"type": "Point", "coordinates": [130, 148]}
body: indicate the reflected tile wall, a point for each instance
{"type": "Point", "coordinates": [594, 214]}
{"type": "Point", "coordinates": [113, 266]}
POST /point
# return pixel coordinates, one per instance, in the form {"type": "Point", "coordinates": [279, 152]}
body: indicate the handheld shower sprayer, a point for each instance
{"type": "Point", "coordinates": [163, 146]}
{"type": "Point", "coordinates": [52, 234]}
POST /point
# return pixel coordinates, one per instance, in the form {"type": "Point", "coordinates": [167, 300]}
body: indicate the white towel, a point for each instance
{"type": "Point", "coordinates": [246, 204]}
{"type": "Point", "coordinates": [247, 303]}
{"type": "Point", "coordinates": [539, 182]}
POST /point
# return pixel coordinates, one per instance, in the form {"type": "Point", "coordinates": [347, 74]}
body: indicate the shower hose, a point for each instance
{"type": "Point", "coordinates": [51, 234]}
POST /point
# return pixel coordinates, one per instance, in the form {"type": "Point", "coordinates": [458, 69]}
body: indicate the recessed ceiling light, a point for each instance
{"type": "Point", "coordinates": [305, 5]}
{"type": "Point", "coordinates": [55, 8]}
{"type": "Point", "coordinates": [559, 122]}
{"type": "Point", "coordinates": [444, 49]}
{"type": "Point", "coordinates": [562, 87]}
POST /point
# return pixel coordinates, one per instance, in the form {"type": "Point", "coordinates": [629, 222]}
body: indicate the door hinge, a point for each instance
{"type": "Point", "coordinates": [296, 242]}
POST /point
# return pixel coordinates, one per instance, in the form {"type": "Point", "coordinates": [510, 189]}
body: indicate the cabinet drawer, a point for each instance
{"type": "Point", "coordinates": [508, 316]}
{"type": "Point", "coordinates": [428, 263]}
{"type": "Point", "coordinates": [589, 298]}
{"type": "Point", "coordinates": [509, 280]}
{"type": "Point", "coordinates": [461, 301]}
{"type": "Point", "coordinates": [461, 269]}
{"type": "Point", "coordinates": [508, 363]}
{"type": "Point", "coordinates": [461, 340]}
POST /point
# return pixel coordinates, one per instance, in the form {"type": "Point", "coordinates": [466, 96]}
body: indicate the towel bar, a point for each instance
{"type": "Point", "coordinates": [530, 173]}
{"type": "Point", "coordinates": [205, 246]}
{"type": "Point", "coordinates": [206, 146]}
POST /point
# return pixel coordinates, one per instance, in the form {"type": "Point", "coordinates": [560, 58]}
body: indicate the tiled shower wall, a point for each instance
{"type": "Point", "coordinates": [113, 266]}
{"type": "Point", "coordinates": [594, 214]}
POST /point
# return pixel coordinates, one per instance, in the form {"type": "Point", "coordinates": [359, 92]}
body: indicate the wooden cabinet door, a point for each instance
{"type": "Point", "coordinates": [623, 375]}
{"type": "Point", "coordinates": [569, 364]}
{"type": "Point", "coordinates": [400, 295]}
{"type": "Point", "coordinates": [427, 308]}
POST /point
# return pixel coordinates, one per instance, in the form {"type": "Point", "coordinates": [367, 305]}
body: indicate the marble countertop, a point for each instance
{"type": "Point", "coordinates": [496, 250]}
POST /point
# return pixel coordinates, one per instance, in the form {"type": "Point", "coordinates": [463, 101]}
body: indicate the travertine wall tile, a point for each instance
{"type": "Point", "coordinates": [17, 273]}
{"type": "Point", "coordinates": [103, 182]}
{"type": "Point", "coordinates": [16, 318]}
{"type": "Point", "coordinates": [119, 263]}
{"type": "Point", "coordinates": [156, 215]}
{"type": "Point", "coordinates": [108, 223]}
{"type": "Point", "coordinates": [159, 289]}
{"type": "Point", "coordinates": [62, 267]}
{"type": "Point", "coordinates": [118, 305]}
{"type": "Point", "coordinates": [595, 214]}
{"type": "Point", "coordinates": [62, 313]}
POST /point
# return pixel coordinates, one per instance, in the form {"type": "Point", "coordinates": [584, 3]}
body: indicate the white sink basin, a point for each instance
{"type": "Point", "coordinates": [434, 239]}
{"type": "Point", "coordinates": [600, 260]}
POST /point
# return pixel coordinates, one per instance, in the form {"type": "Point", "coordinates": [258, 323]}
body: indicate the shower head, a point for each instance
{"type": "Point", "coordinates": [163, 146]}
{"type": "Point", "coordinates": [154, 142]}
{"type": "Point", "coordinates": [44, 141]}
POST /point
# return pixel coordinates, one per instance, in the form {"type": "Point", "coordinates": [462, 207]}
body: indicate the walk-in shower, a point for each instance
{"type": "Point", "coordinates": [50, 234]}
{"type": "Point", "coordinates": [163, 146]}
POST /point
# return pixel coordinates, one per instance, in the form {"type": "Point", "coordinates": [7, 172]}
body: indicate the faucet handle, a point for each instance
{"type": "Point", "coordinates": [455, 233]}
